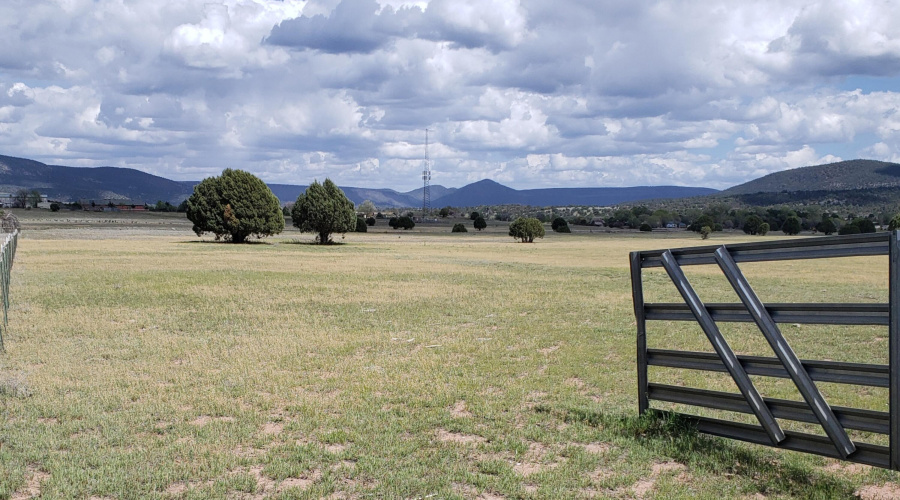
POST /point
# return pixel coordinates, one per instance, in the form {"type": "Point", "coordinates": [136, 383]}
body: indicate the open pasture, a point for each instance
{"type": "Point", "coordinates": [143, 362]}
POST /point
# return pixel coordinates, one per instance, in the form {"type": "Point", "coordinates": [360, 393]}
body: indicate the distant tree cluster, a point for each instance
{"type": "Point", "coordinates": [164, 206]}
{"type": "Point", "coordinates": [26, 198]}
{"type": "Point", "coordinates": [404, 222]}
{"type": "Point", "coordinates": [858, 226]}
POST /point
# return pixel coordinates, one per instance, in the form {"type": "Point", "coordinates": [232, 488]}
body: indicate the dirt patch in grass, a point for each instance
{"type": "Point", "coordinates": [300, 482]}
{"type": "Point", "coordinates": [641, 488]}
{"type": "Point", "coordinates": [272, 428]}
{"type": "Point", "coordinates": [264, 483]}
{"type": "Point", "coordinates": [335, 448]}
{"type": "Point", "coordinates": [601, 474]}
{"type": "Point", "coordinates": [343, 464]}
{"type": "Point", "coordinates": [533, 461]}
{"type": "Point", "coordinates": [460, 410]}
{"type": "Point", "coordinates": [886, 491]}
{"type": "Point", "coordinates": [547, 350]}
{"type": "Point", "coordinates": [458, 437]}
{"type": "Point", "coordinates": [247, 452]}
{"type": "Point", "coordinates": [180, 487]}
{"type": "Point", "coordinates": [465, 490]}
{"type": "Point", "coordinates": [32, 488]}
{"type": "Point", "coordinates": [597, 448]}
{"type": "Point", "coordinates": [206, 419]}
{"type": "Point", "coordinates": [847, 468]}
{"type": "Point", "coordinates": [575, 382]}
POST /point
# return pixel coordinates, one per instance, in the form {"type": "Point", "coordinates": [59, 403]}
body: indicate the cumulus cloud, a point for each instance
{"type": "Point", "coordinates": [366, 25]}
{"type": "Point", "coordinates": [527, 92]}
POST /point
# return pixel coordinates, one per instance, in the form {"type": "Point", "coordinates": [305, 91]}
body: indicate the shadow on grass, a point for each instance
{"type": "Point", "coordinates": [669, 435]}
{"type": "Point", "coordinates": [312, 243]}
{"type": "Point", "coordinates": [223, 242]}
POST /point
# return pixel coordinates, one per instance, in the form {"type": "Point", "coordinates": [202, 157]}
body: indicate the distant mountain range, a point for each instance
{"type": "Point", "coordinates": [80, 183]}
{"type": "Point", "coordinates": [855, 182]}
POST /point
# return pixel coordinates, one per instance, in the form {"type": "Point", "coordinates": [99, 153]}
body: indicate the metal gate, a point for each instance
{"type": "Point", "coordinates": [803, 373]}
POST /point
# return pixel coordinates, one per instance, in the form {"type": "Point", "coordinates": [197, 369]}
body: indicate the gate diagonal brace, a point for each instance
{"type": "Point", "coordinates": [729, 359]}
{"type": "Point", "coordinates": [785, 354]}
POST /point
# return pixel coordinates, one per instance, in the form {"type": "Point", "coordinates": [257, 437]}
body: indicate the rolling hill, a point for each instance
{"type": "Point", "coordinates": [488, 192]}
{"type": "Point", "coordinates": [841, 176]}
{"type": "Point", "coordinates": [71, 183]}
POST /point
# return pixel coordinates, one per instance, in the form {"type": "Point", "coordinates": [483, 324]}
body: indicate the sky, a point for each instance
{"type": "Point", "coordinates": [529, 93]}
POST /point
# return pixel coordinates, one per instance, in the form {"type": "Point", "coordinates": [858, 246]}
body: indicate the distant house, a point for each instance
{"type": "Point", "coordinates": [112, 205]}
{"type": "Point", "coordinates": [597, 222]}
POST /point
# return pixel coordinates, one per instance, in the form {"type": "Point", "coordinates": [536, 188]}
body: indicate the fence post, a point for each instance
{"type": "Point", "coordinates": [894, 348]}
{"type": "Point", "coordinates": [637, 294]}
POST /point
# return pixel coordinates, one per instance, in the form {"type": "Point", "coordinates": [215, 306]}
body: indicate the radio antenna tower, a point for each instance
{"type": "Point", "coordinates": [426, 179]}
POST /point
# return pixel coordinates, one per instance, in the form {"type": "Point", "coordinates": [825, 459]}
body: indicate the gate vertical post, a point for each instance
{"type": "Point", "coordinates": [637, 295]}
{"type": "Point", "coordinates": [894, 348]}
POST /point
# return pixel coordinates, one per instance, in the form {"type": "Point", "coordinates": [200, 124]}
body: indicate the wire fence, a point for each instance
{"type": "Point", "coordinates": [7, 255]}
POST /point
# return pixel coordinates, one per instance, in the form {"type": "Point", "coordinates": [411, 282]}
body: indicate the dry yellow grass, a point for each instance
{"type": "Point", "coordinates": [155, 365]}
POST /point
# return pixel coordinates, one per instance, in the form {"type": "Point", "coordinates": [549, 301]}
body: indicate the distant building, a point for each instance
{"type": "Point", "coordinates": [112, 205]}
{"type": "Point", "coordinates": [8, 200]}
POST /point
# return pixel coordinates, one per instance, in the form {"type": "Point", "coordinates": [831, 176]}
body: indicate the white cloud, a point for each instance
{"type": "Point", "coordinates": [529, 92]}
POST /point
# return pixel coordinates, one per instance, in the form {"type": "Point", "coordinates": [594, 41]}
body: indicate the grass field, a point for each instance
{"type": "Point", "coordinates": [142, 362]}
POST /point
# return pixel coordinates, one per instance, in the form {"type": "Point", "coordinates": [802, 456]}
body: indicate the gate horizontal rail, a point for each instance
{"type": "Point", "coordinates": [814, 409]}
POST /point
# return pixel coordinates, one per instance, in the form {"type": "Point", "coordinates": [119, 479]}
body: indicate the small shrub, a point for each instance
{"type": "Point", "coordinates": [393, 222]}
{"type": "Point", "coordinates": [752, 224]}
{"type": "Point", "coordinates": [865, 225]}
{"type": "Point", "coordinates": [54, 207]}
{"type": "Point", "coordinates": [526, 229]}
{"type": "Point", "coordinates": [894, 224]}
{"type": "Point", "coordinates": [370, 221]}
{"type": "Point", "coordinates": [405, 223]}
{"type": "Point", "coordinates": [459, 227]}
{"type": "Point", "coordinates": [763, 229]}
{"type": "Point", "coordinates": [361, 226]}
{"type": "Point", "coordinates": [701, 222]}
{"type": "Point", "coordinates": [646, 227]}
{"type": "Point", "coordinates": [705, 231]}
{"type": "Point", "coordinates": [559, 225]}
{"type": "Point", "coordinates": [849, 229]}
{"type": "Point", "coordinates": [791, 225]}
{"type": "Point", "coordinates": [827, 226]}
